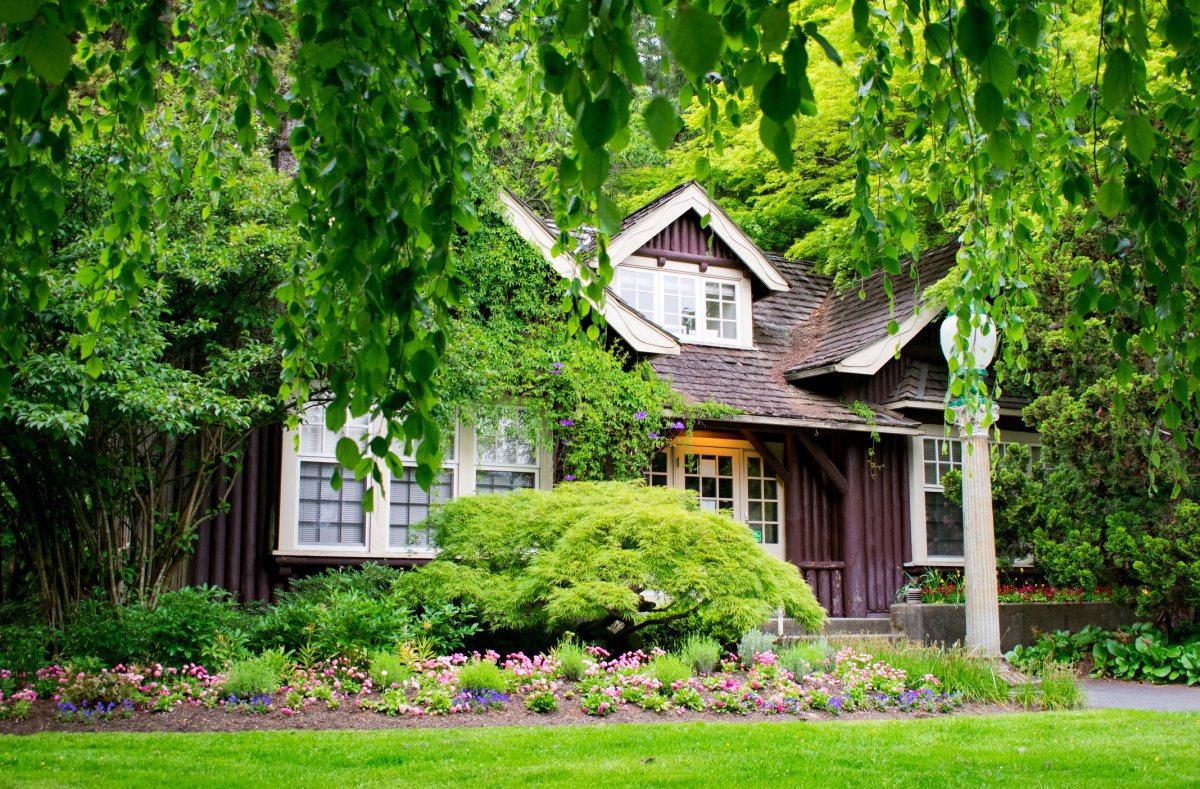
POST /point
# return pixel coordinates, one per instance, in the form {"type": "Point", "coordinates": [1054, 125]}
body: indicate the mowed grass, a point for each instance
{"type": "Point", "coordinates": [1085, 749]}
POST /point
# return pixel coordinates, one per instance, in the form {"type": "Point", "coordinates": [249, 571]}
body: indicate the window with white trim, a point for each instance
{"type": "Point", "coordinates": [327, 517]}
{"type": "Point", "coordinates": [506, 455]}
{"type": "Point", "coordinates": [673, 300]}
{"type": "Point", "coordinates": [943, 520]}
{"type": "Point", "coordinates": [659, 473]}
{"type": "Point", "coordinates": [720, 310]}
{"type": "Point", "coordinates": [409, 504]}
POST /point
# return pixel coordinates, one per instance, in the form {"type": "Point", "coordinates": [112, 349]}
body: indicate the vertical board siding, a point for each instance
{"type": "Point", "coordinates": [685, 235]}
{"type": "Point", "coordinates": [886, 504]}
{"type": "Point", "coordinates": [233, 548]}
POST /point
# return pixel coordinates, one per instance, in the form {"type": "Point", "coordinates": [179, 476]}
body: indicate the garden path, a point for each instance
{"type": "Point", "coordinates": [1115, 694]}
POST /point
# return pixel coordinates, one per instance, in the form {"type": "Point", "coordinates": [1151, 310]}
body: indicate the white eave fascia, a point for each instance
{"type": "Point", "coordinates": [814, 424]}
{"type": "Point", "coordinates": [871, 359]}
{"type": "Point", "coordinates": [641, 335]}
{"type": "Point", "coordinates": [938, 406]}
{"type": "Point", "coordinates": [693, 198]}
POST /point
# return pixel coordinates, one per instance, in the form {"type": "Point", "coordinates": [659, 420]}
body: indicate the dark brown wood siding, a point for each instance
{"type": "Point", "coordinates": [234, 548]}
{"type": "Point", "coordinates": [815, 521]}
{"type": "Point", "coordinates": [685, 236]}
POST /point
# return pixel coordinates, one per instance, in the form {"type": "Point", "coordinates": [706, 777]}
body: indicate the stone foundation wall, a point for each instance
{"type": "Point", "coordinates": [941, 623]}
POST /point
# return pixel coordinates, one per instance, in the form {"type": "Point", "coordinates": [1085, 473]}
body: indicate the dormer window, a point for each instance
{"type": "Point", "coordinates": [694, 307]}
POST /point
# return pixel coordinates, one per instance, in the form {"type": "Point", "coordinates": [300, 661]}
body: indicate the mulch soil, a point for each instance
{"type": "Point", "coordinates": [348, 717]}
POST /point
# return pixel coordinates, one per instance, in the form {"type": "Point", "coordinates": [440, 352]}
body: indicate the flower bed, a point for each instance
{"type": "Point", "coordinates": [453, 685]}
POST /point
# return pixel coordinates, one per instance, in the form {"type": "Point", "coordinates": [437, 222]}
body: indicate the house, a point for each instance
{"type": "Point", "coordinates": [833, 458]}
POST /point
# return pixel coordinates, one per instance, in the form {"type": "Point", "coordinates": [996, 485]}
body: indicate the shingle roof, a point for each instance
{"type": "Point", "coordinates": [844, 323]}
{"type": "Point", "coordinates": [752, 380]}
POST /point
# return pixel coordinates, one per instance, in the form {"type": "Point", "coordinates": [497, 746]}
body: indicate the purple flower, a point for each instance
{"type": "Point", "coordinates": [566, 422]}
{"type": "Point", "coordinates": [556, 368]}
{"type": "Point", "coordinates": [654, 435]}
{"type": "Point", "coordinates": [640, 415]}
{"type": "Point", "coordinates": [679, 426]}
{"type": "Point", "coordinates": [568, 477]}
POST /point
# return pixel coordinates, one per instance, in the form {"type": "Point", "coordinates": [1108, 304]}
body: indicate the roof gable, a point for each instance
{"type": "Point", "coordinates": [641, 335]}
{"type": "Point", "coordinates": [648, 222]}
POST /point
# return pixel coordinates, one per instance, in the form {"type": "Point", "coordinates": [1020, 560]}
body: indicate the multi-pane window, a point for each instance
{"type": "Point", "coordinates": [720, 309]}
{"type": "Point", "coordinates": [637, 288]}
{"type": "Point", "coordinates": [658, 475]}
{"type": "Point", "coordinates": [762, 501]}
{"type": "Point", "coordinates": [506, 455]}
{"type": "Point", "coordinates": [409, 506]}
{"type": "Point", "coordinates": [679, 305]}
{"type": "Point", "coordinates": [943, 520]}
{"type": "Point", "coordinates": [711, 476]}
{"type": "Point", "coordinates": [328, 517]}
{"type": "Point", "coordinates": [673, 302]}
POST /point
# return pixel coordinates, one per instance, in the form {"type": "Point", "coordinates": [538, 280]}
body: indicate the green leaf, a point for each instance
{"type": "Point", "coordinates": [347, 452]}
{"type": "Point", "coordinates": [998, 69]}
{"type": "Point", "coordinates": [1028, 28]}
{"type": "Point", "coordinates": [774, 22]}
{"type": "Point", "coordinates": [26, 99]}
{"type": "Point", "coordinates": [696, 40]}
{"type": "Point", "coordinates": [989, 106]}
{"type": "Point", "coordinates": [975, 32]}
{"type": "Point", "coordinates": [999, 149]}
{"type": "Point", "coordinates": [1139, 137]}
{"type": "Point", "coordinates": [778, 139]}
{"type": "Point", "coordinates": [830, 51]}
{"type": "Point", "coordinates": [1117, 87]}
{"type": "Point", "coordinates": [598, 123]}
{"type": "Point", "coordinates": [778, 99]}
{"type": "Point", "coordinates": [1111, 198]}
{"type": "Point", "coordinates": [662, 122]}
{"type": "Point", "coordinates": [608, 215]}
{"type": "Point", "coordinates": [14, 12]}
{"type": "Point", "coordinates": [49, 53]}
{"type": "Point", "coordinates": [1077, 104]}
{"type": "Point", "coordinates": [1178, 27]}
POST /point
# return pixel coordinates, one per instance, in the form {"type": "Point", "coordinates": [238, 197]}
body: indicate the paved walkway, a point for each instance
{"type": "Point", "coordinates": [1115, 694]}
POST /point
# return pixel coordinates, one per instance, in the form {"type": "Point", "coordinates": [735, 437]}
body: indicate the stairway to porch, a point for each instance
{"type": "Point", "coordinates": [787, 630]}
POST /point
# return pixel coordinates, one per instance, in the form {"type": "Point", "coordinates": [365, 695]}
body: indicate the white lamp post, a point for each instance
{"type": "Point", "coordinates": [979, 537]}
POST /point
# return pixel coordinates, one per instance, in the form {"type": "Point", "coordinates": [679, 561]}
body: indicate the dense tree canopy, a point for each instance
{"type": "Point", "coordinates": [983, 111]}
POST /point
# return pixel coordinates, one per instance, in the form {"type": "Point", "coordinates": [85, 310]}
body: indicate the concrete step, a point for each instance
{"type": "Point", "coordinates": [844, 626]}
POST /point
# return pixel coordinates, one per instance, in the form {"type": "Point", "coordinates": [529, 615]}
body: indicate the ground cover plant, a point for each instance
{"type": "Point", "coordinates": [938, 587]}
{"type": "Point", "coordinates": [1117, 748]}
{"type": "Point", "coordinates": [1139, 652]}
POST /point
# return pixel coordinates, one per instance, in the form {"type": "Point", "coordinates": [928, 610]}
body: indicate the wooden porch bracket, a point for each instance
{"type": "Point", "coordinates": [767, 455]}
{"type": "Point", "coordinates": [823, 460]}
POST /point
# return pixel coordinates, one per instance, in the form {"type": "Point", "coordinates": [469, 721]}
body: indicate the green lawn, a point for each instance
{"type": "Point", "coordinates": [1086, 749]}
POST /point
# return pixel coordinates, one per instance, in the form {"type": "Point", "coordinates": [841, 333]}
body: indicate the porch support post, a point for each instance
{"type": "Point", "coordinates": [854, 549]}
{"type": "Point", "coordinates": [792, 500]}
{"type": "Point", "coordinates": [979, 537]}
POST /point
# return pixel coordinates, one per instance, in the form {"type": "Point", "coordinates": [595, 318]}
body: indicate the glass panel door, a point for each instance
{"type": "Point", "coordinates": [711, 475]}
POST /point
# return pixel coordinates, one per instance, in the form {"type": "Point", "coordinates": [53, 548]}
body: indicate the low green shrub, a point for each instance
{"type": "Point", "coordinates": [578, 558]}
{"type": "Point", "coordinates": [805, 657]}
{"type": "Point", "coordinates": [572, 660]}
{"type": "Point", "coordinates": [253, 677]}
{"type": "Point", "coordinates": [184, 627]}
{"type": "Point", "coordinates": [24, 648]}
{"type": "Point", "coordinates": [754, 642]}
{"type": "Point", "coordinates": [1061, 646]}
{"type": "Point", "coordinates": [353, 611]}
{"type": "Point", "coordinates": [702, 653]}
{"type": "Point", "coordinates": [669, 669]}
{"type": "Point", "coordinates": [387, 669]}
{"type": "Point", "coordinates": [482, 675]}
{"type": "Point", "coordinates": [1144, 653]}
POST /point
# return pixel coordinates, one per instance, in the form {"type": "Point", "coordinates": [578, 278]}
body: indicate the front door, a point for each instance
{"type": "Point", "coordinates": [736, 480]}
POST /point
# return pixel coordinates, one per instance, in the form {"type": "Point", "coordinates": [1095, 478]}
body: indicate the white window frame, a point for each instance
{"type": "Point", "coordinates": [740, 451]}
{"type": "Point", "coordinates": [641, 267]}
{"type": "Point", "coordinates": [917, 489]}
{"type": "Point", "coordinates": [377, 523]}
{"type": "Point", "coordinates": [534, 467]}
